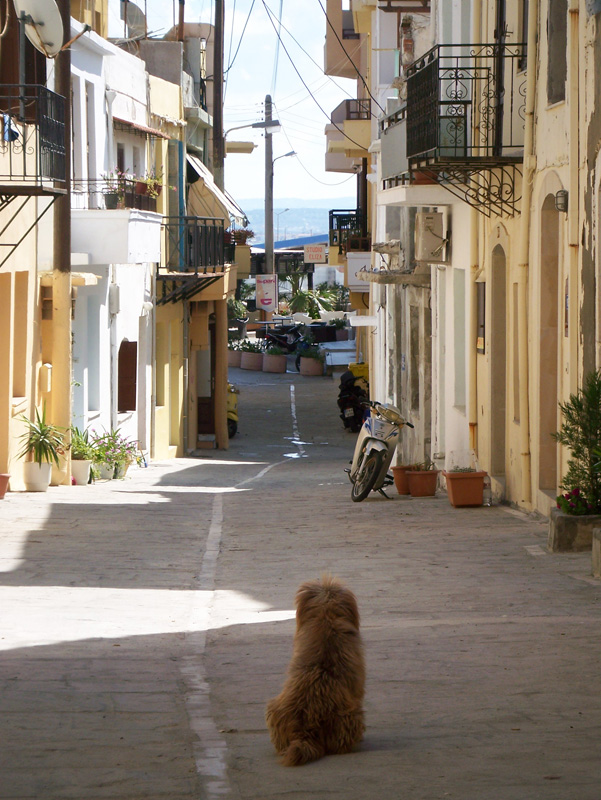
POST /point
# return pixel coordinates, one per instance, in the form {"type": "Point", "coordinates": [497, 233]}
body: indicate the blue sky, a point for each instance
{"type": "Point", "coordinates": [253, 75]}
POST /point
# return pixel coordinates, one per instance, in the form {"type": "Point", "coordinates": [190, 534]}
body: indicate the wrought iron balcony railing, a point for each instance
{"type": "Point", "coordinates": [194, 255]}
{"type": "Point", "coordinates": [347, 230]}
{"type": "Point", "coordinates": [32, 141]}
{"type": "Point", "coordinates": [467, 102]}
{"type": "Point", "coordinates": [109, 194]}
{"type": "Point", "coordinates": [194, 244]}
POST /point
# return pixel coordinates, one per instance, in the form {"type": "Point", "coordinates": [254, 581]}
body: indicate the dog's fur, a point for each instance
{"type": "Point", "coordinates": [319, 710]}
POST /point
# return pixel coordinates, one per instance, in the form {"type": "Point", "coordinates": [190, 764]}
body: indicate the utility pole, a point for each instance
{"type": "Point", "coordinates": [61, 273]}
{"type": "Point", "coordinates": [269, 263]}
{"type": "Point", "coordinates": [218, 142]}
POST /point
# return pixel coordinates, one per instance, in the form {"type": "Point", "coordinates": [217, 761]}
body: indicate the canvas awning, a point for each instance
{"type": "Point", "coordinates": [206, 199]}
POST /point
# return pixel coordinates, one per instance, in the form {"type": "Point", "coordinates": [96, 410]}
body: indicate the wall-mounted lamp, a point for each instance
{"type": "Point", "coordinates": [561, 200]}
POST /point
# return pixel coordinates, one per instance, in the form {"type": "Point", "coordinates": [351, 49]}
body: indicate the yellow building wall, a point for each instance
{"type": "Point", "coordinates": [169, 383]}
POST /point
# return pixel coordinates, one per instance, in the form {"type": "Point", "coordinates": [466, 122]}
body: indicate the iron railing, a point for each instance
{"type": "Point", "coordinates": [467, 102]}
{"type": "Point", "coordinates": [351, 110]}
{"type": "Point", "coordinates": [194, 244]}
{"type": "Point", "coordinates": [344, 225]}
{"type": "Point", "coordinates": [111, 193]}
{"type": "Point", "coordinates": [32, 139]}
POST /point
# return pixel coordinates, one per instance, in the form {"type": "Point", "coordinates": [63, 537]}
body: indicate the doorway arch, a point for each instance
{"type": "Point", "coordinates": [498, 359]}
{"type": "Point", "coordinates": [548, 344]}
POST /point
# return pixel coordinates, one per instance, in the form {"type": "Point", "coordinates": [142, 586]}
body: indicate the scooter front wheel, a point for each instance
{"type": "Point", "coordinates": [366, 477]}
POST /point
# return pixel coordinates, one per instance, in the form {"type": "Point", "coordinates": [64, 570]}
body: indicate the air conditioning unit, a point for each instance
{"type": "Point", "coordinates": [430, 241]}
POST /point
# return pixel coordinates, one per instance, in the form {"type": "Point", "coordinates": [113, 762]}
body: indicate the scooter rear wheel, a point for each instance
{"type": "Point", "coordinates": [232, 428]}
{"type": "Point", "coordinates": [364, 482]}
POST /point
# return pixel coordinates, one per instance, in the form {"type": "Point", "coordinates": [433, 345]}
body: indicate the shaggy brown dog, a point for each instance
{"type": "Point", "coordinates": [319, 710]}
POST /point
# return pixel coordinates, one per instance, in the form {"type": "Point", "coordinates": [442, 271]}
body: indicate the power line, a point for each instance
{"type": "Point", "coordinates": [325, 113]}
{"type": "Point", "coordinates": [277, 50]}
{"type": "Point", "coordinates": [361, 78]}
{"type": "Point", "coordinates": [231, 64]}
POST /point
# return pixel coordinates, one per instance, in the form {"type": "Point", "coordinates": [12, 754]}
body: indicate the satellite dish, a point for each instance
{"type": "Point", "coordinates": [43, 24]}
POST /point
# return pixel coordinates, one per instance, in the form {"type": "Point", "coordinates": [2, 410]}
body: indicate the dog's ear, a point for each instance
{"type": "Point", "coordinates": [347, 602]}
{"type": "Point", "coordinates": [305, 597]}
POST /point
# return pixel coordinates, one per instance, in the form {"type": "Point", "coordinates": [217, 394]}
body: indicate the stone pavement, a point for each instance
{"type": "Point", "coordinates": [144, 623]}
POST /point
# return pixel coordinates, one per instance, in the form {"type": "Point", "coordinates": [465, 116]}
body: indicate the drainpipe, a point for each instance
{"type": "Point", "coordinates": [524, 254]}
{"type": "Point", "coordinates": [474, 273]}
{"type": "Point", "coordinates": [574, 194]}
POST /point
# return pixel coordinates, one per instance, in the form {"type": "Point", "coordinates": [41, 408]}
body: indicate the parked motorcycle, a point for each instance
{"type": "Point", "coordinates": [286, 339]}
{"type": "Point", "coordinates": [351, 400]}
{"type": "Point", "coordinates": [374, 450]}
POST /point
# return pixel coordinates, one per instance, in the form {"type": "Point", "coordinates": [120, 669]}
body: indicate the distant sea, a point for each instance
{"type": "Point", "coordinates": [293, 217]}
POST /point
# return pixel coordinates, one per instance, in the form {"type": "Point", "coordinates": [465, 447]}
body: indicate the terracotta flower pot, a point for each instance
{"type": "Point", "coordinates": [251, 361]}
{"type": "Point", "coordinates": [233, 358]}
{"type": "Point", "coordinates": [422, 483]}
{"type": "Point", "coordinates": [274, 363]}
{"type": "Point", "coordinates": [401, 481]}
{"type": "Point", "coordinates": [311, 366]}
{"type": "Point", "coordinates": [465, 488]}
{"type": "Point", "coordinates": [4, 479]}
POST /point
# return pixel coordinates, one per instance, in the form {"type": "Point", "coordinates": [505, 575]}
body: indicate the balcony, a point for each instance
{"type": "Point", "coordinates": [463, 124]}
{"type": "Point", "coordinates": [406, 6]}
{"type": "Point", "coordinates": [193, 257]}
{"type": "Point", "coordinates": [347, 231]}
{"type": "Point", "coordinates": [32, 143]}
{"type": "Point", "coordinates": [349, 132]}
{"type": "Point", "coordinates": [109, 194]}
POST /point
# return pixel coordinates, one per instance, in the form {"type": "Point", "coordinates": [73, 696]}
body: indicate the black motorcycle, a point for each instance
{"type": "Point", "coordinates": [352, 397]}
{"type": "Point", "coordinates": [286, 339]}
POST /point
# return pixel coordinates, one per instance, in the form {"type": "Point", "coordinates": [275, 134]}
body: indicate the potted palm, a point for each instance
{"type": "Point", "coordinates": [82, 455]}
{"type": "Point", "coordinates": [422, 479]}
{"type": "Point", "coordinates": [274, 359]}
{"type": "Point", "coordinates": [43, 443]}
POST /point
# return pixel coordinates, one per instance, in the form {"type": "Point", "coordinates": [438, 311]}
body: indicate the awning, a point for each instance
{"type": "Point", "coordinates": [207, 200]}
{"type": "Point", "coordinates": [125, 124]}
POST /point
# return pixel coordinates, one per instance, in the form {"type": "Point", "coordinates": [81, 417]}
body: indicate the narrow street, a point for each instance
{"type": "Point", "coordinates": [144, 624]}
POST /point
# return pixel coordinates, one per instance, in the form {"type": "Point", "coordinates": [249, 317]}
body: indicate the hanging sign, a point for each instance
{"type": "Point", "coordinates": [267, 292]}
{"type": "Point", "coordinates": [315, 254]}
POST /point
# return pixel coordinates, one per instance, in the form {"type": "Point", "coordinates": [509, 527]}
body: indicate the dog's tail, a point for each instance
{"type": "Point", "coordinates": [302, 751]}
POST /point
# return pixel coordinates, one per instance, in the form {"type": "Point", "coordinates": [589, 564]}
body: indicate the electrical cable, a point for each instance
{"type": "Point", "coordinates": [231, 64]}
{"type": "Point", "coordinates": [277, 50]}
{"type": "Point", "coordinates": [310, 57]}
{"type": "Point", "coordinates": [361, 78]}
{"type": "Point", "coordinates": [323, 111]}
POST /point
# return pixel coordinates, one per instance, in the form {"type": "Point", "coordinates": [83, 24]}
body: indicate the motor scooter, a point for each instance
{"type": "Point", "coordinates": [352, 401]}
{"type": "Point", "coordinates": [374, 450]}
{"type": "Point", "coordinates": [232, 409]}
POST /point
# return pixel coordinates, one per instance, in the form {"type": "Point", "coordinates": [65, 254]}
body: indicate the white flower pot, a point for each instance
{"type": "Point", "coordinates": [36, 476]}
{"type": "Point", "coordinates": [106, 471]}
{"type": "Point", "coordinates": [80, 469]}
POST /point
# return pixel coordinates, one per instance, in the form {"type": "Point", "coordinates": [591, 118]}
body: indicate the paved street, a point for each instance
{"type": "Point", "coordinates": [144, 623]}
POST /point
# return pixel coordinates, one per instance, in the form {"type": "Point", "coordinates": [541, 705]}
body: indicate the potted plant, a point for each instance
{"type": "Point", "coordinates": [274, 359]}
{"type": "Point", "coordinates": [422, 479]}
{"type": "Point", "coordinates": [401, 481]}
{"type": "Point", "coordinates": [242, 235]}
{"type": "Point", "coordinates": [115, 182]}
{"type": "Point", "coordinates": [465, 486]}
{"type": "Point", "coordinates": [114, 453]}
{"type": "Point", "coordinates": [4, 480]}
{"type": "Point", "coordinates": [234, 354]}
{"type": "Point", "coordinates": [578, 509]}
{"type": "Point", "coordinates": [341, 328]}
{"type": "Point", "coordinates": [311, 361]}
{"type": "Point", "coordinates": [150, 184]}
{"type": "Point", "coordinates": [252, 355]}
{"type": "Point", "coordinates": [43, 443]}
{"type": "Point", "coordinates": [82, 455]}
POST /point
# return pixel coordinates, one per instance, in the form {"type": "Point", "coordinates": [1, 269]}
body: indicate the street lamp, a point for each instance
{"type": "Point", "coordinates": [270, 126]}
{"type": "Point", "coordinates": [269, 164]}
{"type": "Point", "coordinates": [278, 222]}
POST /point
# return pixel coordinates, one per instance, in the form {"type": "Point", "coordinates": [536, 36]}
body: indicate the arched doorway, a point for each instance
{"type": "Point", "coordinates": [548, 337]}
{"type": "Point", "coordinates": [498, 359]}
